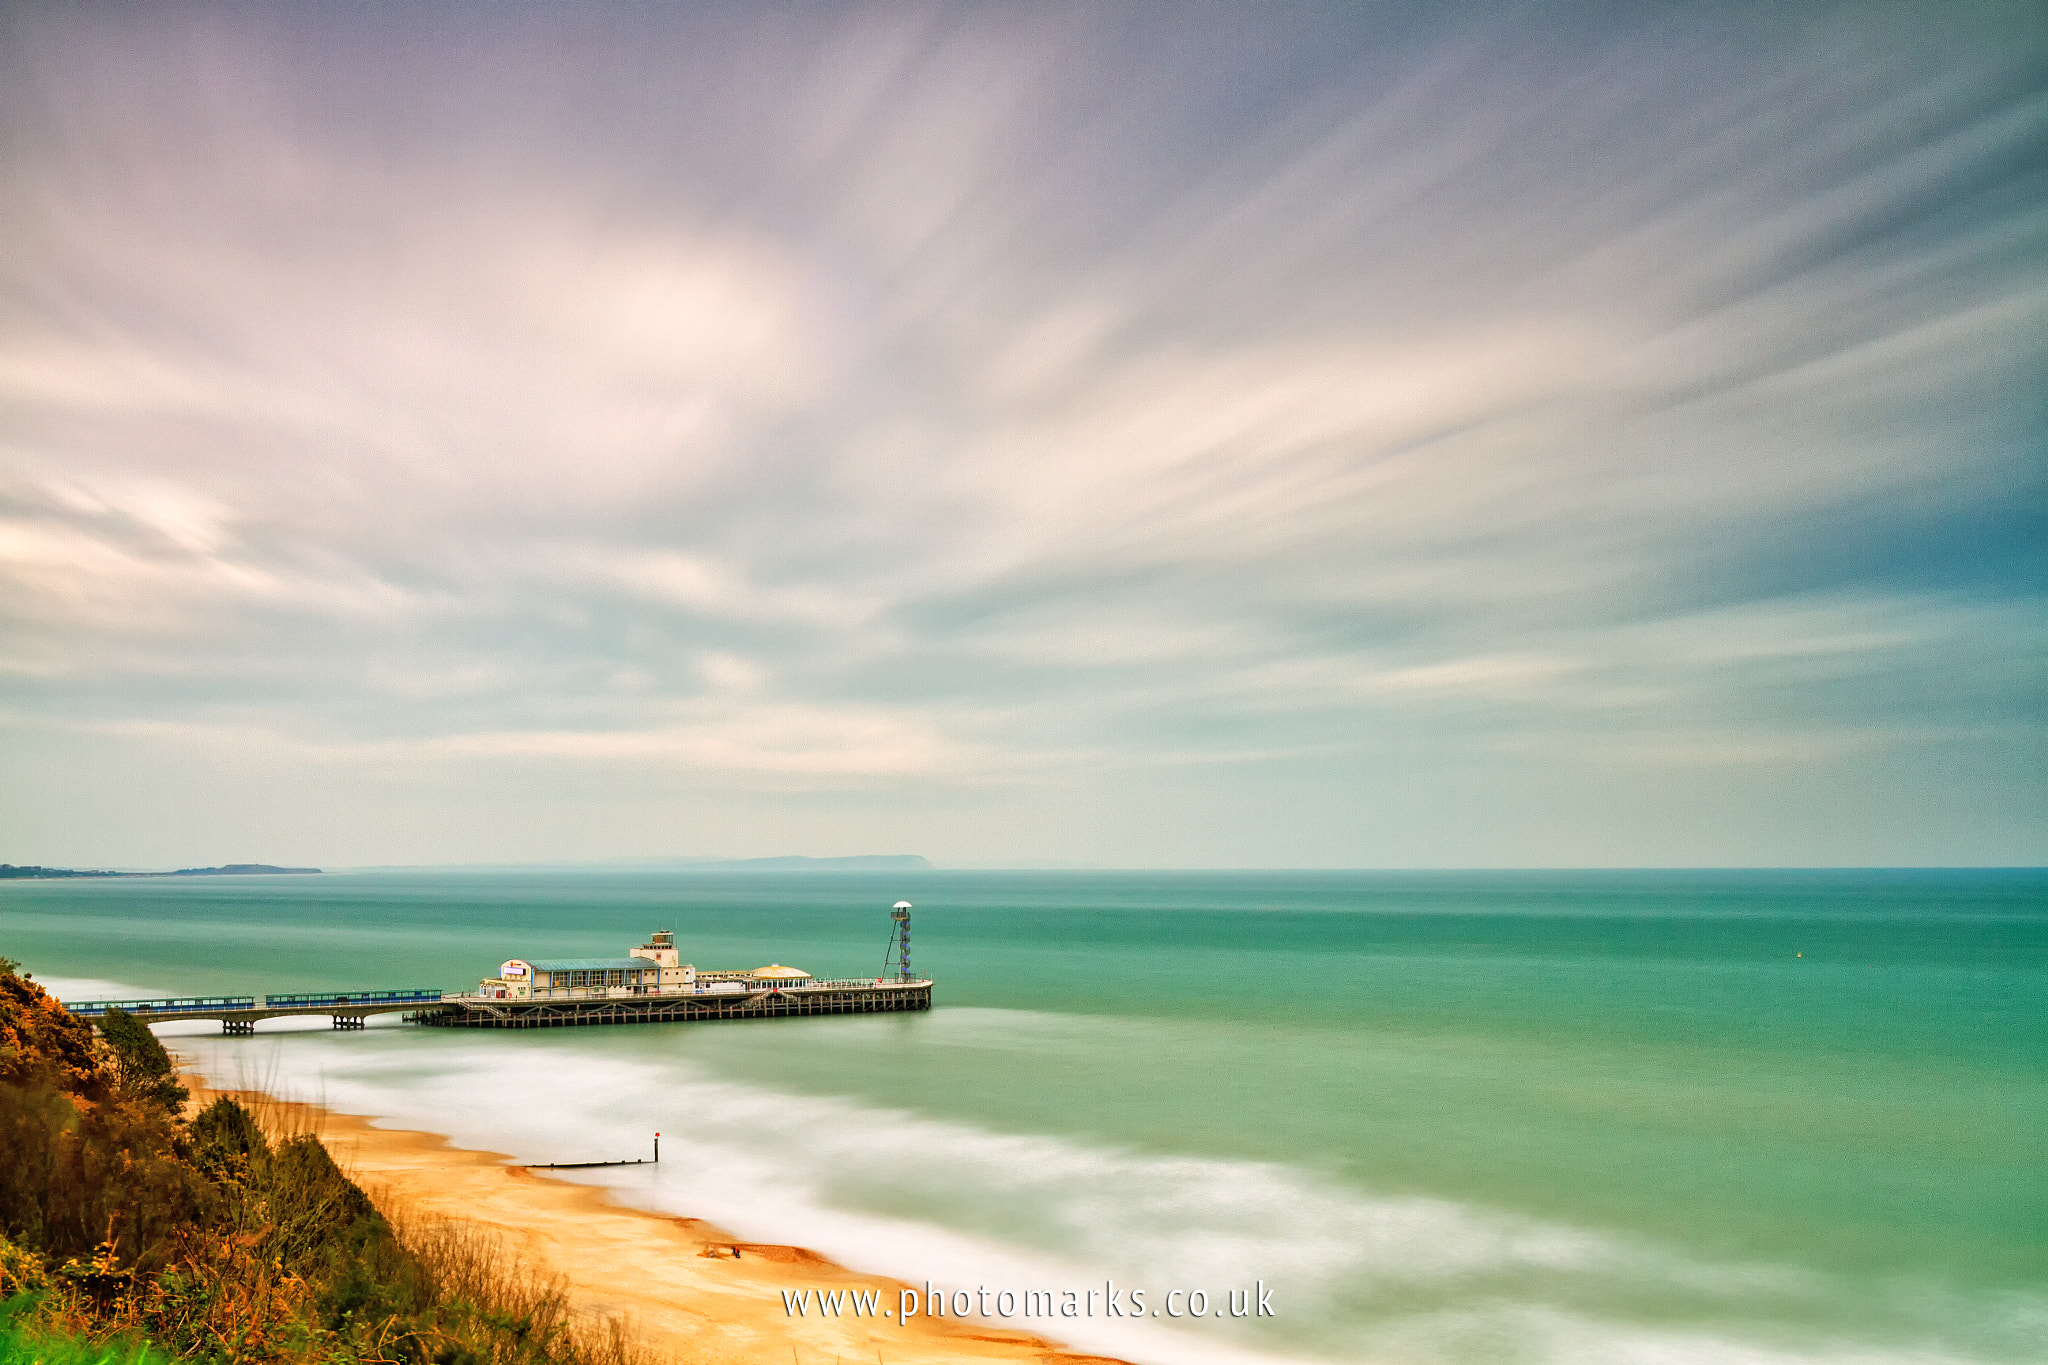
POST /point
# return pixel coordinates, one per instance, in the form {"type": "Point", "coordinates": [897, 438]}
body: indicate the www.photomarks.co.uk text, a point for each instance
{"type": "Point", "coordinates": [984, 1302]}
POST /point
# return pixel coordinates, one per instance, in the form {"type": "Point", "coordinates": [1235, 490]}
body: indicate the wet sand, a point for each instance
{"type": "Point", "coordinates": [677, 1282]}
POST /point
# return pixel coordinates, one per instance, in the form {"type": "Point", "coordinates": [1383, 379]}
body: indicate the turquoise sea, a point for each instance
{"type": "Point", "coordinates": [1731, 1117]}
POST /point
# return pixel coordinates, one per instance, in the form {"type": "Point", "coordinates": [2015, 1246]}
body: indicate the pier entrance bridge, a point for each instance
{"type": "Point", "coordinates": [240, 1013]}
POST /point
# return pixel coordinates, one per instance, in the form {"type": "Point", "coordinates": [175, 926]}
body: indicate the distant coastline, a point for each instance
{"type": "Point", "coordinates": [8, 871]}
{"type": "Point", "coordinates": [865, 862]}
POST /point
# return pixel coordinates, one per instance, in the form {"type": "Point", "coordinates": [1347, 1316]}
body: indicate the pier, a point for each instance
{"type": "Point", "coordinates": [652, 985]}
{"type": "Point", "coordinates": [239, 1014]}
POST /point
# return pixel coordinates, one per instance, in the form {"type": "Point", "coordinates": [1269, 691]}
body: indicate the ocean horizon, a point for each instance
{"type": "Point", "coordinates": [1727, 1116]}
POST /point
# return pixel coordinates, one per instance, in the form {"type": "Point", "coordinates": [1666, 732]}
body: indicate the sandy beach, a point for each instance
{"type": "Point", "coordinates": [686, 1288]}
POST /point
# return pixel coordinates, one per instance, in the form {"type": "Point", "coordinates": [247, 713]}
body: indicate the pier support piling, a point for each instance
{"type": "Point", "coordinates": [887, 997]}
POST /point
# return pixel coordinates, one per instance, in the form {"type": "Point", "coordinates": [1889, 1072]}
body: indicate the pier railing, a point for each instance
{"type": "Point", "coordinates": [213, 1004]}
{"type": "Point", "coordinates": [414, 995]}
{"type": "Point", "coordinates": [188, 1004]}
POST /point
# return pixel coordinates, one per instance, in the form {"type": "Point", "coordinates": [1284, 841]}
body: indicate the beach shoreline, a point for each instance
{"type": "Point", "coordinates": [685, 1288]}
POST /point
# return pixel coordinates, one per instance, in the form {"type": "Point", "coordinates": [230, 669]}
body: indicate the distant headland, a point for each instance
{"type": "Point", "coordinates": [227, 870]}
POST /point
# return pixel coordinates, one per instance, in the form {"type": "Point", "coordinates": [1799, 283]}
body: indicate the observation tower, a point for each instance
{"type": "Point", "coordinates": [901, 947]}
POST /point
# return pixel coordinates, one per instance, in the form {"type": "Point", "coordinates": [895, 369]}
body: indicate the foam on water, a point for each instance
{"type": "Point", "coordinates": [1531, 1334]}
{"type": "Point", "coordinates": [92, 988]}
{"type": "Point", "coordinates": [1354, 1276]}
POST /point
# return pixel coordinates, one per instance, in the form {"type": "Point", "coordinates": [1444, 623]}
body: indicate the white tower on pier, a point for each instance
{"type": "Point", "coordinates": [901, 914]}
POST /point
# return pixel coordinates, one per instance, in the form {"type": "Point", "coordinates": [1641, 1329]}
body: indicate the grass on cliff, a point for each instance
{"type": "Point", "coordinates": [128, 1234]}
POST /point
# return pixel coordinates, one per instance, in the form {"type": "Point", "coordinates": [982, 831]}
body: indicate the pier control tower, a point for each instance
{"type": "Point", "coordinates": [660, 949]}
{"type": "Point", "coordinates": [901, 914]}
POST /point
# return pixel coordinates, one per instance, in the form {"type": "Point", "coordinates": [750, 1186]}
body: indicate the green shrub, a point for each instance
{"type": "Point", "coordinates": [227, 1141]}
{"type": "Point", "coordinates": [42, 1043]}
{"type": "Point", "coordinates": [143, 1073]}
{"type": "Point", "coordinates": [83, 1175]}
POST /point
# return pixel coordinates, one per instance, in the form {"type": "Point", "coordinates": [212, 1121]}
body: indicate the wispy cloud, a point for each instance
{"type": "Point", "coordinates": [927, 400]}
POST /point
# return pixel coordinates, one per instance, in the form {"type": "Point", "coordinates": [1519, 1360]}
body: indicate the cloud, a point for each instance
{"type": "Point", "coordinates": [948, 395]}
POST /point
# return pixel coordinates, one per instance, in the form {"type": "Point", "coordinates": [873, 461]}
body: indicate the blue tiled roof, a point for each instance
{"type": "Point", "coordinates": [593, 964]}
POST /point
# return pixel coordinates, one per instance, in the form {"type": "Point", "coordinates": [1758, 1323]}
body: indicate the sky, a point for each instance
{"type": "Point", "coordinates": [1138, 435]}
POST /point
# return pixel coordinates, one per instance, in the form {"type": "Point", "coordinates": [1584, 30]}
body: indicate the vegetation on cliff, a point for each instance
{"type": "Point", "coordinates": [129, 1233]}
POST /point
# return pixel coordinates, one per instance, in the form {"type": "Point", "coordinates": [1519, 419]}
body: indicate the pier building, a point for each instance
{"type": "Point", "coordinates": [654, 966]}
{"type": "Point", "coordinates": [653, 984]}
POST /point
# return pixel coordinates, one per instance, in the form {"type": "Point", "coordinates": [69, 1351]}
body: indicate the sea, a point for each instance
{"type": "Point", "coordinates": [1562, 1118]}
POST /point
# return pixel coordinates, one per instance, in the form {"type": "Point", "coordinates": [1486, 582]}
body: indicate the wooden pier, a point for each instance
{"type": "Point", "coordinates": [652, 986]}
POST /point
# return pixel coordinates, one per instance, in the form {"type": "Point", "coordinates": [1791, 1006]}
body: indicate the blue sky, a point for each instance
{"type": "Point", "coordinates": [1129, 435]}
